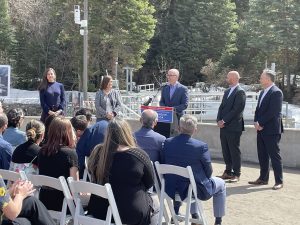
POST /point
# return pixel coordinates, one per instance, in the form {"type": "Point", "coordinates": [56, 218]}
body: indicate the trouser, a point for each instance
{"type": "Point", "coordinates": [230, 142]}
{"type": "Point", "coordinates": [268, 148]}
{"type": "Point", "coordinates": [33, 212]}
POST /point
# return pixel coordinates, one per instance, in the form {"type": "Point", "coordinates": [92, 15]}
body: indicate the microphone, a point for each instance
{"type": "Point", "coordinates": [146, 103]}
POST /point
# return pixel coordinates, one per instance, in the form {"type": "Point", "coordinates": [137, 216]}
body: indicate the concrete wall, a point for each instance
{"type": "Point", "coordinates": [209, 133]}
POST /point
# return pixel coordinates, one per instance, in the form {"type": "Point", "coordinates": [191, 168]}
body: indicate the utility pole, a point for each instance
{"type": "Point", "coordinates": [85, 51]}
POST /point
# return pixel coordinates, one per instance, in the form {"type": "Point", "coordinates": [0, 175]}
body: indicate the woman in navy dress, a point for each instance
{"type": "Point", "coordinates": [52, 95]}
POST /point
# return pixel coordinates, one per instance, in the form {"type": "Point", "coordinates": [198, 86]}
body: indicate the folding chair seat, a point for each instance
{"type": "Point", "coordinates": [163, 169]}
{"type": "Point", "coordinates": [103, 191]}
{"type": "Point", "coordinates": [59, 184]}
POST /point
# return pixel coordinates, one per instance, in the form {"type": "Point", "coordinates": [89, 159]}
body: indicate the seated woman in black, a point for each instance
{"type": "Point", "coordinates": [58, 158]}
{"type": "Point", "coordinates": [25, 155]}
{"type": "Point", "coordinates": [129, 171]}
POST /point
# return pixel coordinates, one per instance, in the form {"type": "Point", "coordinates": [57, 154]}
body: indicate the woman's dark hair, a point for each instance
{"type": "Point", "coordinates": [60, 133]}
{"type": "Point", "coordinates": [86, 112]}
{"type": "Point", "coordinates": [105, 81]}
{"type": "Point", "coordinates": [44, 83]}
{"type": "Point", "coordinates": [14, 117]}
{"type": "Point", "coordinates": [118, 133]}
{"type": "Point", "coordinates": [34, 130]}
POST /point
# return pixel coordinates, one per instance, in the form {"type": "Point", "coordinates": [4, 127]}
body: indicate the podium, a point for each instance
{"type": "Point", "coordinates": [167, 124]}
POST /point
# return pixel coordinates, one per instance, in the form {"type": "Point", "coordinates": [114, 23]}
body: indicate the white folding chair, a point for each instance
{"type": "Point", "coordinates": [59, 184]}
{"type": "Point", "coordinates": [157, 190]}
{"type": "Point", "coordinates": [105, 191]}
{"type": "Point", "coordinates": [9, 175]}
{"type": "Point", "coordinates": [86, 173]}
{"type": "Point", "coordinates": [187, 172]}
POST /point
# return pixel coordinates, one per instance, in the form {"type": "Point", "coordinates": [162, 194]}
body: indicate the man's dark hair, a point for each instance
{"type": "Point", "coordinates": [86, 112]}
{"type": "Point", "coordinates": [79, 122]}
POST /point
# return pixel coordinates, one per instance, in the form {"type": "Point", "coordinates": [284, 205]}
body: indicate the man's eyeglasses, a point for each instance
{"type": "Point", "coordinates": [171, 75]}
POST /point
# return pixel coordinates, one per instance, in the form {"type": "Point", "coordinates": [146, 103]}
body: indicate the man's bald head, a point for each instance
{"type": "Point", "coordinates": [149, 118]}
{"type": "Point", "coordinates": [233, 78]}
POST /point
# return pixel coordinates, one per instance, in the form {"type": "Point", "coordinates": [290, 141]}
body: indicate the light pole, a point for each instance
{"type": "Point", "coordinates": [83, 24]}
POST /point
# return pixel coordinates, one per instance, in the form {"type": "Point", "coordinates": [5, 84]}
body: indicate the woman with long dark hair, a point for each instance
{"type": "Point", "coordinates": [58, 158]}
{"type": "Point", "coordinates": [52, 95]}
{"type": "Point", "coordinates": [107, 100]}
{"type": "Point", "coordinates": [129, 171]}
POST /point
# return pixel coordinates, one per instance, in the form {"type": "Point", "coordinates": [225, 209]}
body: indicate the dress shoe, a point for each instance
{"type": "Point", "coordinates": [277, 186]}
{"type": "Point", "coordinates": [234, 179]}
{"type": "Point", "coordinates": [258, 182]}
{"type": "Point", "coordinates": [225, 176]}
{"type": "Point", "coordinates": [195, 216]}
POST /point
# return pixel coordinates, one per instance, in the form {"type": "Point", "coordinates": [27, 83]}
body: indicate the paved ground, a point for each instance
{"type": "Point", "coordinates": [259, 205]}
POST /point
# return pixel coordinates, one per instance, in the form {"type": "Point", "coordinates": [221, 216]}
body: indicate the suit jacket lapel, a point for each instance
{"type": "Point", "coordinates": [266, 96]}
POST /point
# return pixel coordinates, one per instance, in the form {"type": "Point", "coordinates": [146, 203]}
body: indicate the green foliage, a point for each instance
{"type": "Point", "coordinates": [6, 34]}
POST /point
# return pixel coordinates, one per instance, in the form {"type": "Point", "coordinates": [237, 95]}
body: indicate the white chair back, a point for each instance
{"type": "Point", "coordinates": [105, 191]}
{"type": "Point", "coordinates": [86, 173]}
{"type": "Point", "coordinates": [59, 184]}
{"type": "Point", "coordinates": [187, 172]}
{"type": "Point", "coordinates": [9, 175]}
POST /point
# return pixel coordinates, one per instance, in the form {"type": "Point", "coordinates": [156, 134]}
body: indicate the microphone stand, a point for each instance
{"type": "Point", "coordinates": [148, 102]}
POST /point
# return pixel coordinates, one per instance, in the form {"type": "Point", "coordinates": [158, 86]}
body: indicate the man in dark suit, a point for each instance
{"type": "Point", "coordinates": [183, 150]}
{"type": "Point", "coordinates": [174, 95]}
{"type": "Point", "coordinates": [268, 123]}
{"type": "Point", "coordinates": [231, 123]}
{"type": "Point", "coordinates": [146, 138]}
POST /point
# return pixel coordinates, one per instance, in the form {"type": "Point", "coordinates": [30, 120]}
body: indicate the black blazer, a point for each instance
{"type": "Point", "coordinates": [268, 114]}
{"type": "Point", "coordinates": [232, 108]}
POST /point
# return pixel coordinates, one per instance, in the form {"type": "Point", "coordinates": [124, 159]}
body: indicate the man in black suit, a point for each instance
{"type": "Point", "coordinates": [231, 123]}
{"type": "Point", "coordinates": [268, 123]}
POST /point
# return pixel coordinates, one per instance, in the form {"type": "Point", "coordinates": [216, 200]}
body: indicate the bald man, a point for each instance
{"type": "Point", "coordinates": [231, 123]}
{"type": "Point", "coordinates": [174, 95]}
{"type": "Point", "coordinates": [146, 138]}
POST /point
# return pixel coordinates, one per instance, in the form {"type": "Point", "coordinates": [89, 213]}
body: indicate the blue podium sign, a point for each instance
{"type": "Point", "coordinates": [165, 114]}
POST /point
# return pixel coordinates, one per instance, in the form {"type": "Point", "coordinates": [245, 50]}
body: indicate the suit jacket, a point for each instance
{"type": "Point", "coordinates": [232, 108]}
{"type": "Point", "coordinates": [179, 99]}
{"type": "Point", "coordinates": [91, 136]}
{"type": "Point", "coordinates": [268, 114]}
{"type": "Point", "coordinates": [183, 150]}
{"type": "Point", "coordinates": [150, 141]}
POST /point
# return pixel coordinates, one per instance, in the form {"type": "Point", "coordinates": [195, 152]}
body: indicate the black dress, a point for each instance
{"type": "Point", "coordinates": [56, 165]}
{"type": "Point", "coordinates": [130, 177]}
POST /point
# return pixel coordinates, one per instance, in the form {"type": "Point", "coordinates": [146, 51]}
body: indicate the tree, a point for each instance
{"type": "Point", "coordinates": [193, 31]}
{"type": "Point", "coordinates": [274, 30]}
{"type": "Point", "coordinates": [6, 34]}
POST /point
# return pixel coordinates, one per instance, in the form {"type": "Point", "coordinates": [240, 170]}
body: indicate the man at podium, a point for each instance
{"type": "Point", "coordinates": [175, 95]}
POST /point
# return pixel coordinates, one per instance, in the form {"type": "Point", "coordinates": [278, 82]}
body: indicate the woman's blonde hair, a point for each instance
{"type": "Point", "coordinates": [118, 133]}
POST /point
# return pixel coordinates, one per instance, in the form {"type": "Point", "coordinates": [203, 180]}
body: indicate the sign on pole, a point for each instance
{"type": "Point", "coordinates": [5, 80]}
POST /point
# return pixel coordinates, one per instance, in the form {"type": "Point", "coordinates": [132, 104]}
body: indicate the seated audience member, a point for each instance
{"type": "Point", "coordinates": [183, 150]}
{"type": "Point", "coordinates": [25, 155]}
{"type": "Point", "coordinates": [58, 158]}
{"type": "Point", "coordinates": [5, 148]}
{"type": "Point", "coordinates": [147, 139]}
{"type": "Point", "coordinates": [17, 207]}
{"type": "Point", "coordinates": [79, 124]}
{"type": "Point", "coordinates": [13, 134]}
{"type": "Point", "coordinates": [92, 136]}
{"type": "Point", "coordinates": [129, 171]}
{"type": "Point", "coordinates": [87, 113]}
